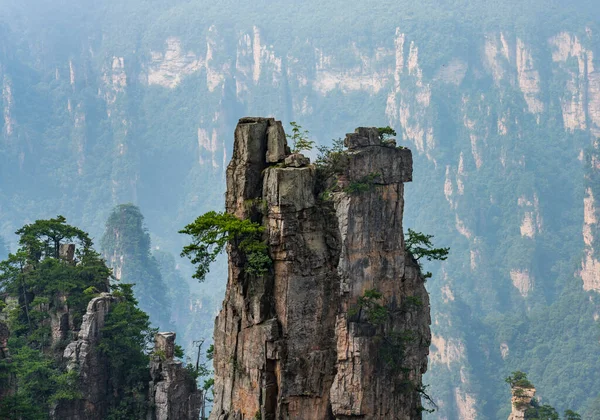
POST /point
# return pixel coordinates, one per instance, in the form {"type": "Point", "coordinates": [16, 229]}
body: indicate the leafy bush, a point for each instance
{"type": "Point", "coordinates": [212, 231]}
{"type": "Point", "coordinates": [419, 245]}
{"type": "Point", "coordinates": [362, 185]}
{"type": "Point", "coordinates": [299, 139]}
{"type": "Point", "coordinates": [518, 379]}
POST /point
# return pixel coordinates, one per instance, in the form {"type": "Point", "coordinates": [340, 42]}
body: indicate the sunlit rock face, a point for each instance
{"type": "Point", "coordinates": [294, 344]}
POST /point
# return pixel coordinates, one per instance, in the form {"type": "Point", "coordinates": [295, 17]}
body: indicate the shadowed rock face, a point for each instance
{"type": "Point", "coordinates": [173, 392]}
{"type": "Point", "coordinates": [295, 343]}
{"type": "Point", "coordinates": [83, 356]}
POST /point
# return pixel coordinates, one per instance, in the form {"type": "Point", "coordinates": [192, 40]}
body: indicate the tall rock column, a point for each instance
{"type": "Point", "coordinates": [339, 327]}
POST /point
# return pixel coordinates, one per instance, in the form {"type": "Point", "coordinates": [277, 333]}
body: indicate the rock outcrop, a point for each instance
{"type": "Point", "coordinates": [339, 327]}
{"type": "Point", "coordinates": [521, 401]}
{"type": "Point", "coordinates": [173, 393]}
{"type": "Point", "coordinates": [82, 356]}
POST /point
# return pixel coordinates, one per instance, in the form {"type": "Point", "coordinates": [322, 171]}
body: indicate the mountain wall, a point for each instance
{"type": "Point", "coordinates": [498, 101]}
{"type": "Point", "coordinates": [302, 341]}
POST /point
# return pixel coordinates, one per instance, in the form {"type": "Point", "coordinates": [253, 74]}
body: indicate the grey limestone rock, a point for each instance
{"type": "Point", "coordinates": [296, 160]}
{"type": "Point", "coordinates": [291, 344]}
{"type": "Point", "coordinates": [362, 136]}
{"type": "Point", "coordinates": [67, 252]}
{"type": "Point", "coordinates": [276, 142]}
{"type": "Point", "coordinates": [82, 356]}
{"type": "Point", "coordinates": [173, 394]}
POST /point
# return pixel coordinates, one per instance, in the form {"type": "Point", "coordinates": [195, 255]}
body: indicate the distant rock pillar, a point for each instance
{"type": "Point", "coordinates": [521, 401]}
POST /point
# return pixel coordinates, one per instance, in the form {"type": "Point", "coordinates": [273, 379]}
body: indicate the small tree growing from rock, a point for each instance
{"type": "Point", "coordinates": [299, 138]}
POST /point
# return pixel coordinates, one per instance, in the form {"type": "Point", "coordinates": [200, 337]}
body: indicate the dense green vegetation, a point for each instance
{"type": "Point", "coordinates": [127, 339]}
{"type": "Point", "coordinates": [38, 281]}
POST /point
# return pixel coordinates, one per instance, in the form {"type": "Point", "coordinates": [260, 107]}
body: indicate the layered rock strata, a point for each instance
{"type": "Point", "coordinates": [173, 392]}
{"type": "Point", "coordinates": [304, 341]}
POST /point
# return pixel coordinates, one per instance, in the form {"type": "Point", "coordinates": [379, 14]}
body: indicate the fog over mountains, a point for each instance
{"type": "Point", "coordinates": [107, 103]}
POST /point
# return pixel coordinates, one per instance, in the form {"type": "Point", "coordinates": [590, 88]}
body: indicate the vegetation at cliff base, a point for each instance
{"type": "Point", "coordinates": [212, 231]}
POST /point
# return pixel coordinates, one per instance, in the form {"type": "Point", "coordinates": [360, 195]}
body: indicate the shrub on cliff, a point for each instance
{"type": "Point", "coordinates": [419, 245]}
{"type": "Point", "coordinates": [212, 231]}
{"type": "Point", "coordinates": [299, 139]}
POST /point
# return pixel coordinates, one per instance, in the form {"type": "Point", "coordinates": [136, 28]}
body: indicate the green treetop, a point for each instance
{"type": "Point", "coordinates": [212, 231]}
{"type": "Point", "coordinates": [299, 139]}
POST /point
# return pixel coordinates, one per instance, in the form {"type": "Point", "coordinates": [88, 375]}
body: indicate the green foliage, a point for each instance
{"type": "Point", "coordinates": [419, 245]}
{"type": "Point", "coordinates": [43, 238]}
{"type": "Point", "coordinates": [178, 351]}
{"type": "Point", "coordinates": [518, 379]}
{"type": "Point", "coordinates": [36, 276]}
{"type": "Point", "coordinates": [364, 184]}
{"type": "Point", "coordinates": [369, 306]}
{"type": "Point", "coordinates": [212, 231]}
{"type": "Point", "coordinates": [386, 133]}
{"type": "Point", "coordinates": [571, 415]}
{"type": "Point", "coordinates": [331, 160]}
{"type": "Point", "coordinates": [126, 341]}
{"type": "Point", "coordinates": [541, 412]}
{"type": "Point", "coordinates": [39, 383]}
{"type": "Point", "coordinates": [42, 282]}
{"type": "Point", "coordinates": [299, 139]}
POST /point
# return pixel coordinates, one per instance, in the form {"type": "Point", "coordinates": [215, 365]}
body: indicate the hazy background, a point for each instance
{"type": "Point", "coordinates": [105, 103]}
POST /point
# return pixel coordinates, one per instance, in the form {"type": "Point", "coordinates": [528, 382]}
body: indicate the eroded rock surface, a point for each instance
{"type": "Point", "coordinates": [297, 343]}
{"type": "Point", "coordinates": [82, 356]}
{"type": "Point", "coordinates": [521, 401]}
{"type": "Point", "coordinates": [173, 392]}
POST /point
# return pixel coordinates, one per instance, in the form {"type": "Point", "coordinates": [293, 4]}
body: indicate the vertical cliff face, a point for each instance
{"type": "Point", "coordinates": [83, 357]}
{"type": "Point", "coordinates": [303, 341]}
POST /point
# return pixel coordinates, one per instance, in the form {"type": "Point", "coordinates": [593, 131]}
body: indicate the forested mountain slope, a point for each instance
{"type": "Point", "coordinates": [109, 103]}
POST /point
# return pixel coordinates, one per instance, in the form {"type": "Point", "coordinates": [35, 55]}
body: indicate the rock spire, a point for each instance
{"type": "Point", "coordinates": [339, 327]}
